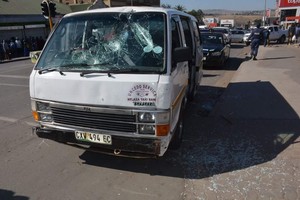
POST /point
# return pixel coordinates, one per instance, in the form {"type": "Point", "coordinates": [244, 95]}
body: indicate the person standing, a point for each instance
{"type": "Point", "coordinates": [297, 33]}
{"type": "Point", "coordinates": [256, 36]}
{"type": "Point", "coordinates": [266, 34]}
{"type": "Point", "coordinates": [291, 33]}
{"type": "Point", "coordinates": [1, 52]}
{"type": "Point", "coordinates": [5, 48]}
{"type": "Point", "coordinates": [19, 47]}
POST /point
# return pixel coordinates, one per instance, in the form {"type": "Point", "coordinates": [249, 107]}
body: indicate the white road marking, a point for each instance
{"type": "Point", "coordinates": [14, 76]}
{"type": "Point", "coordinates": [7, 119]}
{"type": "Point", "coordinates": [13, 85]}
{"type": "Point", "coordinates": [13, 120]}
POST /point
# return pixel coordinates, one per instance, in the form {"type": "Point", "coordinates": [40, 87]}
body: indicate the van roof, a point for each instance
{"type": "Point", "coordinates": [126, 9]}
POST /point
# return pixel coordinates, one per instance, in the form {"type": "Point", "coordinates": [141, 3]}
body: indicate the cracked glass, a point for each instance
{"type": "Point", "coordinates": [100, 42]}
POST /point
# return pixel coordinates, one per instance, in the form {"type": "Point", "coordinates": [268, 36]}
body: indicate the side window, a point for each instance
{"type": "Point", "coordinates": [176, 41]}
{"type": "Point", "coordinates": [197, 33]}
{"type": "Point", "coordinates": [187, 32]}
{"type": "Point", "coordinates": [275, 28]}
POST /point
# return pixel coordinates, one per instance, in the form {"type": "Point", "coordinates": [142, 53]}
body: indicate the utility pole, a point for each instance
{"type": "Point", "coordinates": [265, 10]}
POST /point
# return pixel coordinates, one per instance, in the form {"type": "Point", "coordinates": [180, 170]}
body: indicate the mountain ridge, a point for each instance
{"type": "Point", "coordinates": [230, 12]}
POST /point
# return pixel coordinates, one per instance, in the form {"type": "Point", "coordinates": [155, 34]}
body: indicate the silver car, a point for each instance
{"type": "Point", "coordinates": [245, 38]}
{"type": "Point", "coordinates": [237, 36]}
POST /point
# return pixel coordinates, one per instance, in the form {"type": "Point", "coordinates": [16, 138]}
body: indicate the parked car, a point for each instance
{"type": "Point", "coordinates": [237, 36]}
{"type": "Point", "coordinates": [216, 48]}
{"type": "Point", "coordinates": [245, 38]}
{"type": "Point", "coordinates": [277, 34]}
{"type": "Point", "coordinates": [224, 30]}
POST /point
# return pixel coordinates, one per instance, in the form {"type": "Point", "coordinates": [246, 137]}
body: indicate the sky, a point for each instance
{"type": "Point", "coordinates": [239, 5]}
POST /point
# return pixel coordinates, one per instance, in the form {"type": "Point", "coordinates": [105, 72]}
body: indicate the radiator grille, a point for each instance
{"type": "Point", "coordinates": [95, 120]}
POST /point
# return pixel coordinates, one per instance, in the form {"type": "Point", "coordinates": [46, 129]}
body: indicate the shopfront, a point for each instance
{"type": "Point", "coordinates": [289, 11]}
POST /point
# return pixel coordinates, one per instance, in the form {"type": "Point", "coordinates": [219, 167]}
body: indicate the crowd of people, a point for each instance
{"type": "Point", "coordinates": [16, 47]}
{"type": "Point", "coordinates": [294, 34]}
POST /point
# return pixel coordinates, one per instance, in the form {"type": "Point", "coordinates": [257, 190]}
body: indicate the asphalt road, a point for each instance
{"type": "Point", "coordinates": [34, 168]}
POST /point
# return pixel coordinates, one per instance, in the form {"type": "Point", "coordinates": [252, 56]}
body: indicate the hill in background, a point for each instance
{"type": "Point", "coordinates": [240, 17]}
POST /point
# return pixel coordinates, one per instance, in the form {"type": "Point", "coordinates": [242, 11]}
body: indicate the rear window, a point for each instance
{"type": "Point", "coordinates": [221, 30]}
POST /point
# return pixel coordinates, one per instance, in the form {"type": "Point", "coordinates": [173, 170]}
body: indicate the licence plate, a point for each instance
{"type": "Point", "coordinates": [93, 137]}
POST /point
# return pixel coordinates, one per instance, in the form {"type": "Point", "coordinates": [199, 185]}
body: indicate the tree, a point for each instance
{"type": "Point", "coordinates": [257, 21]}
{"type": "Point", "coordinates": [180, 8]}
{"type": "Point", "coordinates": [197, 13]}
{"type": "Point", "coordinates": [166, 6]}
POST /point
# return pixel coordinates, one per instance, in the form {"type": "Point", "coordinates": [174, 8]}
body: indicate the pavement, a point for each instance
{"type": "Point", "coordinates": [251, 149]}
{"type": "Point", "coordinates": [15, 59]}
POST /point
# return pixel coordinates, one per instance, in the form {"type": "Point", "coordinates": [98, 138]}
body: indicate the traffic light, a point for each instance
{"type": "Point", "coordinates": [52, 9]}
{"type": "Point", "coordinates": [45, 10]}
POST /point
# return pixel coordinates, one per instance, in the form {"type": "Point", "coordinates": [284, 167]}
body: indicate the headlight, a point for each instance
{"type": "Point", "coordinates": [152, 123]}
{"type": "Point", "coordinates": [46, 117]}
{"type": "Point", "coordinates": [44, 107]}
{"type": "Point", "coordinates": [147, 129]}
{"type": "Point", "coordinates": [216, 53]}
{"type": "Point", "coordinates": [155, 117]}
{"type": "Point", "coordinates": [41, 111]}
{"type": "Point", "coordinates": [147, 117]}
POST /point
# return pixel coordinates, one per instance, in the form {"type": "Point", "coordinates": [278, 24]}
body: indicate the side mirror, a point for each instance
{"type": "Point", "coordinates": [182, 54]}
{"type": "Point", "coordinates": [34, 55]}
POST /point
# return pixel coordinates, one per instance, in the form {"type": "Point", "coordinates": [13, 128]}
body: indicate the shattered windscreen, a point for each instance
{"type": "Point", "coordinates": [107, 41]}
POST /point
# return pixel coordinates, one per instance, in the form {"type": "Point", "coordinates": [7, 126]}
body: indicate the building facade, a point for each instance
{"type": "Point", "coordinates": [115, 3]}
{"type": "Point", "coordinates": [22, 19]}
{"type": "Point", "coordinates": [288, 11]}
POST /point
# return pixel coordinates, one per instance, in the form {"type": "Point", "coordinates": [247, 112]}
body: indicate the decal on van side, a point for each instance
{"type": "Point", "coordinates": [142, 95]}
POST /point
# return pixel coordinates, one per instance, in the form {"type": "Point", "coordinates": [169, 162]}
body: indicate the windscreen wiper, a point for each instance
{"type": "Point", "coordinates": [114, 71]}
{"type": "Point", "coordinates": [46, 70]}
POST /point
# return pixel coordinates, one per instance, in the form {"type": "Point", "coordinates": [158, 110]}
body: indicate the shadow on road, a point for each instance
{"type": "Point", "coordinates": [250, 124]}
{"type": "Point", "coordinates": [232, 64]}
{"type": "Point", "coordinates": [276, 58]}
{"type": "Point", "coordinates": [10, 195]}
{"type": "Point", "coordinates": [237, 45]}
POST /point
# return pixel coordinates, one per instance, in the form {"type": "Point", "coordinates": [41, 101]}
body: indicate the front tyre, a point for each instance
{"type": "Point", "coordinates": [282, 39]}
{"type": "Point", "coordinates": [177, 137]}
{"type": "Point", "coordinates": [192, 83]}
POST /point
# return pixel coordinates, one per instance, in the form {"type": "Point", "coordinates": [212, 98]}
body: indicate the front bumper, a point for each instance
{"type": "Point", "coordinates": [212, 60]}
{"type": "Point", "coordinates": [121, 146]}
